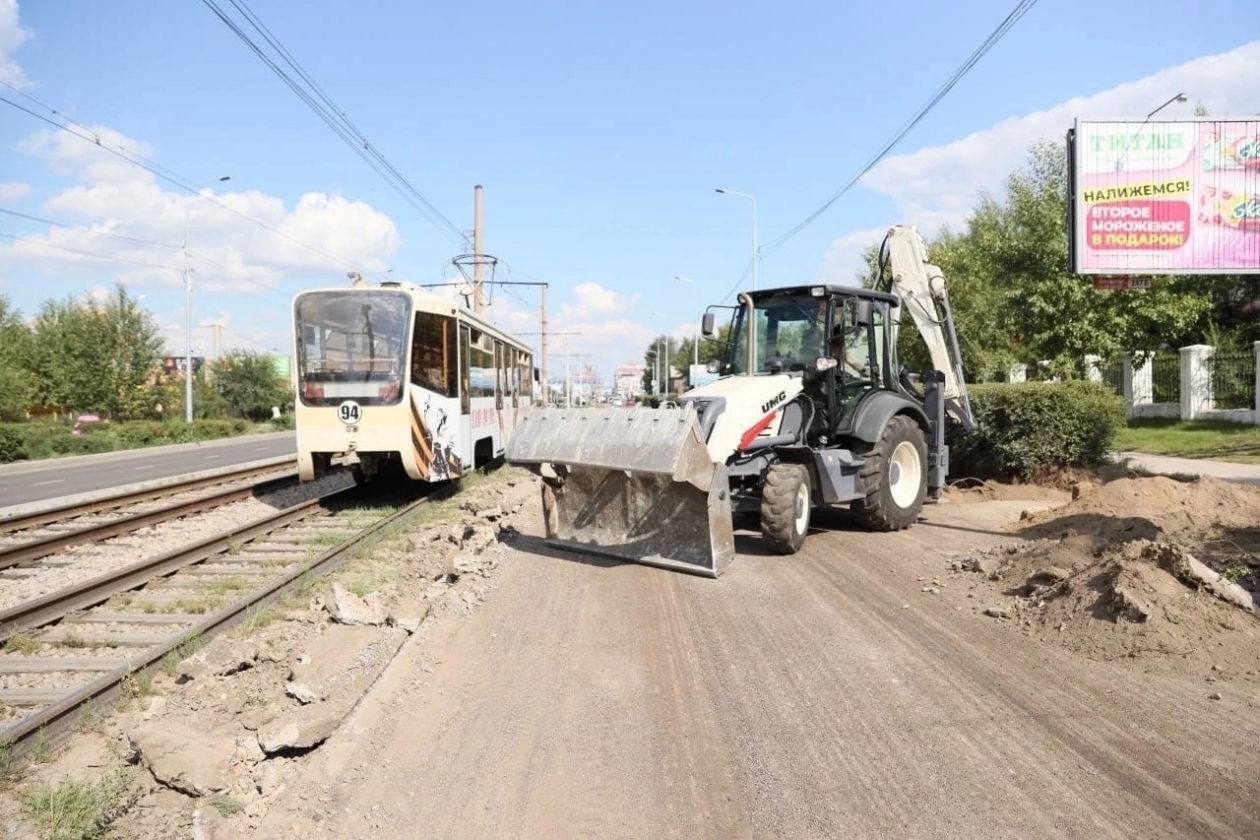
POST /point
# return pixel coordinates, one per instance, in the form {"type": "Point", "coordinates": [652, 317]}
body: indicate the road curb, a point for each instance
{"type": "Point", "coordinates": [21, 467]}
{"type": "Point", "coordinates": [140, 486]}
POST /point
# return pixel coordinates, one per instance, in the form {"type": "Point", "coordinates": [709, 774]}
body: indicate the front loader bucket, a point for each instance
{"type": "Point", "coordinates": [632, 484]}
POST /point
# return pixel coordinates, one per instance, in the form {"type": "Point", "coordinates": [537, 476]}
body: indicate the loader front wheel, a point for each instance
{"type": "Point", "coordinates": [785, 507]}
{"type": "Point", "coordinates": [894, 478]}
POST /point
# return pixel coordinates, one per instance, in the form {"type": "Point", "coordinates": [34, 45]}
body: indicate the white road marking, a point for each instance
{"type": "Point", "coordinates": [146, 467]}
{"type": "Point", "coordinates": [42, 483]}
{"type": "Point", "coordinates": [209, 457]}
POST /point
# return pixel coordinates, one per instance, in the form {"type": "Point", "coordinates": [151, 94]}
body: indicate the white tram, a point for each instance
{"type": "Point", "coordinates": [395, 379]}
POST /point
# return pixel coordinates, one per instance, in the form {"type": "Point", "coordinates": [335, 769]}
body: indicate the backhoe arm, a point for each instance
{"type": "Point", "coordinates": [921, 288]}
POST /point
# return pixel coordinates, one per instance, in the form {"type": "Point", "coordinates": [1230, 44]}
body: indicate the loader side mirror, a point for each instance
{"type": "Point", "coordinates": [863, 313]}
{"type": "Point", "coordinates": [706, 325]}
{"type": "Point", "coordinates": [714, 366]}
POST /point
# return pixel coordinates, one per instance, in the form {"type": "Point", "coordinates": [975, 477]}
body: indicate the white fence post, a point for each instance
{"type": "Point", "coordinates": [1017, 373]}
{"type": "Point", "coordinates": [1093, 368]}
{"type": "Point", "coordinates": [1139, 382]}
{"type": "Point", "coordinates": [1196, 380]}
{"type": "Point", "coordinates": [1256, 406]}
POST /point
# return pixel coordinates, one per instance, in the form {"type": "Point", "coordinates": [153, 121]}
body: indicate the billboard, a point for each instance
{"type": "Point", "coordinates": [1165, 197]}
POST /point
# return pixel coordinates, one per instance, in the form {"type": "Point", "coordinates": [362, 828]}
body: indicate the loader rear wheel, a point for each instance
{"type": "Point", "coordinates": [894, 477]}
{"type": "Point", "coordinates": [785, 507]}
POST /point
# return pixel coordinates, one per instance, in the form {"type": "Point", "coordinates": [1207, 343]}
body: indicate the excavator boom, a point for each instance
{"type": "Point", "coordinates": [921, 287]}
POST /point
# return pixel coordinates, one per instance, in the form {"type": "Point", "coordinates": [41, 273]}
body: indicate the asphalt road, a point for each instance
{"type": "Point", "coordinates": [37, 481]}
{"type": "Point", "coordinates": [822, 695]}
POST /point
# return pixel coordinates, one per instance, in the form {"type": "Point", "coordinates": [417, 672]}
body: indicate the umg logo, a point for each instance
{"type": "Point", "coordinates": [773, 401]}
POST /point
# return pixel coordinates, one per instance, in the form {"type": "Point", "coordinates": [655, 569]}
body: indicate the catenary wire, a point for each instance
{"type": "Point", "coordinates": [334, 117]}
{"type": "Point", "coordinates": [88, 136]}
{"type": "Point", "coordinates": [1020, 9]}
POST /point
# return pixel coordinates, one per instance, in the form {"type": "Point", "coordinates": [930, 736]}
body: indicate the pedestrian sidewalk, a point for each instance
{"type": "Point", "coordinates": [1165, 465]}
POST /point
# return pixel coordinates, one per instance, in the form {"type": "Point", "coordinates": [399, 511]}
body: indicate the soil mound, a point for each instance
{"type": "Point", "coordinates": [991, 491]}
{"type": "Point", "coordinates": [1133, 569]}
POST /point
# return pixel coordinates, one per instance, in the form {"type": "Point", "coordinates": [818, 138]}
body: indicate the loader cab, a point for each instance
{"type": "Point", "coordinates": [836, 338]}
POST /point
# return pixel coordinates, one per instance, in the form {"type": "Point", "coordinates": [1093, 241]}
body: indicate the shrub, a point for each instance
{"type": "Point", "coordinates": [211, 429]}
{"type": "Point", "coordinates": [283, 423]}
{"type": "Point", "coordinates": [12, 443]}
{"type": "Point", "coordinates": [1026, 428]}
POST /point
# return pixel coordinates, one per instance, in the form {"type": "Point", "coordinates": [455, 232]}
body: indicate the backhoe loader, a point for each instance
{"type": "Point", "coordinates": [811, 410]}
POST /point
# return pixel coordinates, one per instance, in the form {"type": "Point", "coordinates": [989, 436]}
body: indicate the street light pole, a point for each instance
{"type": "Point", "coordinates": [1181, 97]}
{"type": "Point", "coordinates": [756, 250]}
{"type": "Point", "coordinates": [695, 326]}
{"type": "Point", "coordinates": [188, 364]}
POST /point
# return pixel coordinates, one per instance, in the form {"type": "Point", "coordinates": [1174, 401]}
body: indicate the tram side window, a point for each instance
{"type": "Point", "coordinates": [465, 371]}
{"type": "Point", "coordinates": [481, 358]}
{"type": "Point", "coordinates": [498, 375]}
{"type": "Point", "coordinates": [525, 373]}
{"type": "Point", "coordinates": [514, 376]}
{"type": "Point", "coordinates": [433, 354]}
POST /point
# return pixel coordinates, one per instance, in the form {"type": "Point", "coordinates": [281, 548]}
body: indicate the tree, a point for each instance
{"type": "Point", "coordinates": [95, 356]}
{"type": "Point", "coordinates": [1014, 297]}
{"type": "Point", "coordinates": [249, 385]}
{"type": "Point", "coordinates": [16, 390]}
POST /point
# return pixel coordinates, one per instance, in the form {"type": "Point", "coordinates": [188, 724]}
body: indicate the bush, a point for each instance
{"type": "Point", "coordinates": [283, 423]}
{"type": "Point", "coordinates": [12, 443]}
{"type": "Point", "coordinates": [1026, 428]}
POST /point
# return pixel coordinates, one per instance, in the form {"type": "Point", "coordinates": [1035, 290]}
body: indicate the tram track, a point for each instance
{"type": "Point", "coordinates": [119, 524]}
{"type": "Point", "coordinates": [77, 647]}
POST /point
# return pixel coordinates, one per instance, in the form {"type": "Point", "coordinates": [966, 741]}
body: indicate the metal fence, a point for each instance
{"type": "Point", "coordinates": [1233, 379]}
{"type": "Point", "coordinates": [1112, 373]}
{"type": "Point", "coordinates": [1166, 377]}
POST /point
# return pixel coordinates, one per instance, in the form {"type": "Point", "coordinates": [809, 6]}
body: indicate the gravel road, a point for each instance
{"type": "Point", "coordinates": [826, 694]}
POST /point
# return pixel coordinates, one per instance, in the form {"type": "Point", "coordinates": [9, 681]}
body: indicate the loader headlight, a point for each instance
{"type": "Point", "coordinates": [825, 363]}
{"type": "Point", "coordinates": [818, 291]}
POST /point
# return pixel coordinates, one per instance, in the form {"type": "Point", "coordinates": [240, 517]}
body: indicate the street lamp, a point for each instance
{"type": "Point", "coordinates": [756, 250]}
{"type": "Point", "coordinates": [695, 327]}
{"type": "Point", "coordinates": [1181, 97]}
{"type": "Point", "coordinates": [188, 364]}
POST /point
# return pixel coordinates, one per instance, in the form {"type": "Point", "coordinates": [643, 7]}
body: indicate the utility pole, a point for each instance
{"type": "Point", "coordinates": [479, 300]}
{"type": "Point", "coordinates": [542, 317]}
{"type": "Point", "coordinates": [565, 336]}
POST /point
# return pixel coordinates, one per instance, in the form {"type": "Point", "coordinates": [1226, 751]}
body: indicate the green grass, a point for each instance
{"type": "Point", "coordinates": [1216, 440]}
{"type": "Point", "coordinates": [72, 809]}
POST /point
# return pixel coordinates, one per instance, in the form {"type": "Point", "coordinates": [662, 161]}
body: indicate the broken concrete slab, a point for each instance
{"type": "Point", "coordinates": [308, 728]}
{"type": "Point", "coordinates": [344, 607]}
{"type": "Point", "coordinates": [182, 755]}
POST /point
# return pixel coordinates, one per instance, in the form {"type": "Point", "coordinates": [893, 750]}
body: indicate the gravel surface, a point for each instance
{"type": "Point", "coordinates": [85, 562]}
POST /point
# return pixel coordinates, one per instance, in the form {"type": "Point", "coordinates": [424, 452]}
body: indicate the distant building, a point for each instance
{"type": "Point", "coordinates": [628, 379]}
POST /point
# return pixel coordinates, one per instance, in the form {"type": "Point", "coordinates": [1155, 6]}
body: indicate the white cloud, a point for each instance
{"type": "Point", "coordinates": [239, 240]}
{"type": "Point", "coordinates": [11, 191]}
{"type": "Point", "coordinates": [941, 184]}
{"type": "Point", "coordinates": [12, 36]}
{"type": "Point", "coordinates": [592, 300]}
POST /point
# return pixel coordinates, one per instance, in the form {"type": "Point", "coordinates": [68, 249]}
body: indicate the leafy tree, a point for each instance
{"type": "Point", "coordinates": [15, 345]}
{"type": "Point", "coordinates": [248, 383]}
{"type": "Point", "coordinates": [1014, 298]}
{"type": "Point", "coordinates": [95, 356]}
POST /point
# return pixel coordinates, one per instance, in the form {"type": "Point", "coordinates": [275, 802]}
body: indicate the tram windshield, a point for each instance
{"type": "Point", "coordinates": [352, 345]}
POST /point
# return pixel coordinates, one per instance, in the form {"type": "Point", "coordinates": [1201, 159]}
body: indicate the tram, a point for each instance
{"type": "Point", "coordinates": [396, 381]}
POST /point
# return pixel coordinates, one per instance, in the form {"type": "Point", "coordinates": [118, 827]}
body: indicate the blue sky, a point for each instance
{"type": "Point", "coordinates": [599, 131]}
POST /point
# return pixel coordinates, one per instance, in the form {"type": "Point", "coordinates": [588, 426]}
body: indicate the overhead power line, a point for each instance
{"type": "Point", "coordinates": [146, 242]}
{"type": "Point", "coordinates": [309, 91]}
{"type": "Point", "coordinates": [996, 35]}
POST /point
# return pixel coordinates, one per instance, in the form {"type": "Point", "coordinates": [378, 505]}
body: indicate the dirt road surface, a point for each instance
{"type": "Point", "coordinates": [826, 694]}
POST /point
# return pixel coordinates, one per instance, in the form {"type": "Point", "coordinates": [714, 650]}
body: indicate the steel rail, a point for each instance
{"type": "Point", "coordinates": [25, 521]}
{"type": "Point", "coordinates": [35, 549]}
{"type": "Point", "coordinates": [55, 722]}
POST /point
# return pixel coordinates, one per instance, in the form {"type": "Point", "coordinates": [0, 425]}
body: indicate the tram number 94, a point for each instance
{"type": "Point", "coordinates": [349, 412]}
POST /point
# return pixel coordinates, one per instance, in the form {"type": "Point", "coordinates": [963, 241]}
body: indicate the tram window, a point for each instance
{"type": "Point", "coordinates": [433, 354]}
{"type": "Point", "coordinates": [465, 372]}
{"type": "Point", "coordinates": [498, 375]}
{"type": "Point", "coordinates": [481, 362]}
{"type": "Point", "coordinates": [514, 376]}
{"type": "Point", "coordinates": [525, 366]}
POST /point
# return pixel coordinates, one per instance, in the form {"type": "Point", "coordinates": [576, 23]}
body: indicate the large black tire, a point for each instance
{"type": "Point", "coordinates": [785, 507]}
{"type": "Point", "coordinates": [894, 478]}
